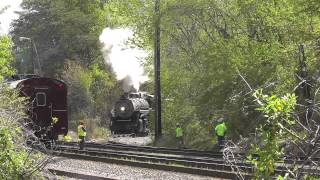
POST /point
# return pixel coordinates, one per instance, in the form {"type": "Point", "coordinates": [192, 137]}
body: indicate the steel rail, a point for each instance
{"type": "Point", "coordinates": [188, 152]}
{"type": "Point", "coordinates": [161, 158]}
{"type": "Point", "coordinates": [199, 159]}
{"type": "Point", "coordinates": [78, 175]}
{"type": "Point", "coordinates": [151, 165]}
{"type": "Point", "coordinates": [192, 161]}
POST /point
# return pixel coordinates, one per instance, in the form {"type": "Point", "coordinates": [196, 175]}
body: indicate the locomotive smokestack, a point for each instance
{"type": "Point", "coordinates": [126, 84]}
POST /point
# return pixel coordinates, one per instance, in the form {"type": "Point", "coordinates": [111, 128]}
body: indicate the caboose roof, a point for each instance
{"type": "Point", "coordinates": [14, 84]}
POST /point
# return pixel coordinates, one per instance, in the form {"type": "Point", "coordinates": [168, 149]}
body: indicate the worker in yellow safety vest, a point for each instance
{"type": "Point", "coordinates": [82, 133]}
{"type": "Point", "coordinates": [179, 135]}
{"type": "Point", "coordinates": [220, 131]}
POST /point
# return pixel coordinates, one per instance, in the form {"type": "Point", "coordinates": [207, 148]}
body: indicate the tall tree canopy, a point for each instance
{"type": "Point", "coordinates": [208, 49]}
{"type": "Point", "coordinates": [62, 30]}
{"type": "Point", "coordinates": [66, 37]}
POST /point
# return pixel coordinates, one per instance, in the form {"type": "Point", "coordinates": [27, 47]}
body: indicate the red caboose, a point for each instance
{"type": "Point", "coordinates": [47, 104]}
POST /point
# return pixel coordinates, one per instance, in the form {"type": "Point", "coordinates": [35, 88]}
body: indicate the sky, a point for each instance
{"type": "Point", "coordinates": [7, 17]}
{"type": "Point", "coordinates": [125, 61]}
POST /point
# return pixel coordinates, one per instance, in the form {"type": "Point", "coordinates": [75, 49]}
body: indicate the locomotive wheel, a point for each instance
{"type": "Point", "coordinates": [145, 125]}
{"type": "Point", "coordinates": [140, 126]}
{"type": "Point", "coordinates": [147, 132]}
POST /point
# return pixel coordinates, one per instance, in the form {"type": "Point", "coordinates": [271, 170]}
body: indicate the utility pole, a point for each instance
{"type": "Point", "coordinates": [39, 70]}
{"type": "Point", "coordinates": [34, 54]}
{"type": "Point", "coordinates": [32, 57]}
{"type": "Point", "coordinates": [158, 127]}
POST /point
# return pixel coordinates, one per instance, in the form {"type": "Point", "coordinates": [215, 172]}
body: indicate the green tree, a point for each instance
{"type": "Point", "coordinates": [17, 161]}
{"type": "Point", "coordinates": [66, 34]}
{"type": "Point", "coordinates": [206, 46]}
{"type": "Point", "coordinates": [62, 30]}
{"type": "Point", "coordinates": [92, 93]}
{"type": "Point", "coordinates": [6, 57]}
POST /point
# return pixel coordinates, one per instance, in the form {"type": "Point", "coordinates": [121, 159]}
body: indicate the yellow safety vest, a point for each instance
{"type": "Point", "coordinates": [81, 132]}
{"type": "Point", "coordinates": [67, 138]}
{"type": "Point", "coordinates": [221, 129]}
{"type": "Point", "coordinates": [179, 132]}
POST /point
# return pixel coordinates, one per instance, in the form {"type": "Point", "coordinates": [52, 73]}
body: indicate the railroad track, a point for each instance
{"type": "Point", "coordinates": [180, 160]}
{"type": "Point", "coordinates": [119, 146]}
{"type": "Point", "coordinates": [78, 175]}
{"type": "Point", "coordinates": [186, 152]}
{"type": "Point", "coordinates": [162, 158]}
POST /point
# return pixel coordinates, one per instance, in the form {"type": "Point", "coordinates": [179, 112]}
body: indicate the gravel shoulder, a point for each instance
{"type": "Point", "coordinates": [138, 141]}
{"type": "Point", "coordinates": [118, 171]}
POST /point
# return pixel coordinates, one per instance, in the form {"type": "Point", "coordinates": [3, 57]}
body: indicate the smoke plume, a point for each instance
{"type": "Point", "coordinates": [125, 61]}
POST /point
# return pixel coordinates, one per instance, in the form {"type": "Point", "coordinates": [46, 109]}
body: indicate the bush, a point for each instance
{"type": "Point", "coordinates": [100, 133]}
{"type": "Point", "coordinates": [275, 129]}
{"type": "Point", "coordinates": [195, 136]}
{"type": "Point", "coordinates": [18, 161]}
{"type": "Point", "coordinates": [198, 137]}
{"type": "Point", "coordinates": [166, 141]}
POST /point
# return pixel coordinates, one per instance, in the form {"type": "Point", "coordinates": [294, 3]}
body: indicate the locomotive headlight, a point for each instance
{"type": "Point", "coordinates": [122, 108]}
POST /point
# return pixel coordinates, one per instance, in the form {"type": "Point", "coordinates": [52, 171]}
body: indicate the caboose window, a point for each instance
{"type": "Point", "coordinates": [41, 99]}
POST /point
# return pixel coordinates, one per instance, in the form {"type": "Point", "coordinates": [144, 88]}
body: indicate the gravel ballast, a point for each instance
{"type": "Point", "coordinates": [118, 171]}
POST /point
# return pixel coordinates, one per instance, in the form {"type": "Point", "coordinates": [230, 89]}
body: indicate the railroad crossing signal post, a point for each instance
{"type": "Point", "coordinates": [158, 128]}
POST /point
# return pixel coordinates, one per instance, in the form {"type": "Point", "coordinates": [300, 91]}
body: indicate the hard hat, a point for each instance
{"type": "Point", "coordinates": [177, 124]}
{"type": "Point", "coordinates": [220, 120]}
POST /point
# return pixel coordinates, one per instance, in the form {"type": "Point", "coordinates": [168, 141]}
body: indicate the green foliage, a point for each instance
{"type": "Point", "coordinates": [91, 94]}
{"type": "Point", "coordinates": [17, 161]}
{"type": "Point", "coordinates": [310, 178]}
{"type": "Point", "coordinates": [66, 34]}
{"type": "Point", "coordinates": [79, 82]}
{"type": "Point", "coordinates": [101, 133]}
{"type": "Point", "coordinates": [276, 108]}
{"type": "Point", "coordinates": [273, 131]}
{"type": "Point", "coordinates": [207, 45]}
{"type": "Point", "coordinates": [12, 161]}
{"type": "Point", "coordinates": [197, 136]}
{"type": "Point", "coordinates": [61, 30]}
{"type": "Point", "coordinates": [6, 57]}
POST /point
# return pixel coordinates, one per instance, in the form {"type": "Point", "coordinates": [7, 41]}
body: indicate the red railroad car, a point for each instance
{"type": "Point", "coordinates": [47, 103]}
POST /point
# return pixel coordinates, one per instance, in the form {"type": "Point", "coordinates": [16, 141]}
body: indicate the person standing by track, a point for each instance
{"type": "Point", "coordinates": [82, 133]}
{"type": "Point", "coordinates": [179, 136]}
{"type": "Point", "coordinates": [220, 131]}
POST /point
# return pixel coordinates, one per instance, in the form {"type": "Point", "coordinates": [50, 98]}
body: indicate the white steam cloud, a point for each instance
{"type": "Point", "coordinates": [9, 14]}
{"type": "Point", "coordinates": [124, 60]}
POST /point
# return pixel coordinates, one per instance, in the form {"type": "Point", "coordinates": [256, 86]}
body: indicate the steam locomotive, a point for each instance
{"type": "Point", "coordinates": [47, 104]}
{"type": "Point", "coordinates": [130, 114]}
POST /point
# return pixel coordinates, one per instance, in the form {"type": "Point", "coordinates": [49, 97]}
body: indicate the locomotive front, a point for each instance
{"type": "Point", "coordinates": [126, 108]}
{"type": "Point", "coordinates": [129, 115]}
